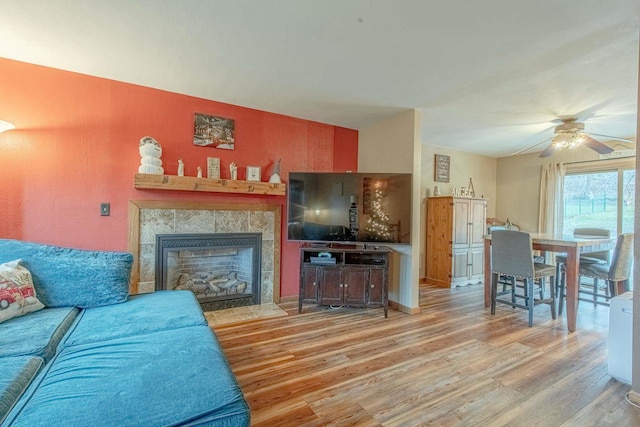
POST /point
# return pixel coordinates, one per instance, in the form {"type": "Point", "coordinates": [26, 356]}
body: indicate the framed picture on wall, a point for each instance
{"type": "Point", "coordinates": [213, 131]}
{"type": "Point", "coordinates": [441, 168]}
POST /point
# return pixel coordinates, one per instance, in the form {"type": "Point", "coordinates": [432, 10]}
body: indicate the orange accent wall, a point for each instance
{"type": "Point", "coordinates": [76, 145]}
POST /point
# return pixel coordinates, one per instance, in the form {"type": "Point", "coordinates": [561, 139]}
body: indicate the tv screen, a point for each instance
{"type": "Point", "coordinates": [349, 207]}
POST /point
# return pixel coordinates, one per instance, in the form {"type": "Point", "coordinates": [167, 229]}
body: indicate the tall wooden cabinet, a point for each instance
{"type": "Point", "coordinates": [455, 241]}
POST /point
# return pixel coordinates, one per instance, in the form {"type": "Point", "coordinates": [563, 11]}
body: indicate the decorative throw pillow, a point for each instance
{"type": "Point", "coordinates": [17, 293]}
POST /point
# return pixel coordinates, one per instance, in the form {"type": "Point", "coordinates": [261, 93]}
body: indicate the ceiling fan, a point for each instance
{"type": "Point", "coordinates": [570, 134]}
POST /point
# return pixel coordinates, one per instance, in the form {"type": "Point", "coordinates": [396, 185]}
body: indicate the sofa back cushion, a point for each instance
{"type": "Point", "coordinates": [65, 277]}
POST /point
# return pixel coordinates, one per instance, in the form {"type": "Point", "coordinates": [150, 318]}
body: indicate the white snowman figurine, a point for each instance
{"type": "Point", "coordinates": [150, 151]}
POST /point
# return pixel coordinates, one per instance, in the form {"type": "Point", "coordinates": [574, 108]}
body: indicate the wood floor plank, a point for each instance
{"type": "Point", "coordinates": [452, 364]}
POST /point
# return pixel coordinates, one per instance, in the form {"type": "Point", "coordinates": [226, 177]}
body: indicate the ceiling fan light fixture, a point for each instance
{"type": "Point", "coordinates": [568, 140]}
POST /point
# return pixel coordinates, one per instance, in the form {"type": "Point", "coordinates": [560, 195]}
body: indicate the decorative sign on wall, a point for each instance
{"type": "Point", "coordinates": [441, 168]}
{"type": "Point", "coordinates": [212, 131]}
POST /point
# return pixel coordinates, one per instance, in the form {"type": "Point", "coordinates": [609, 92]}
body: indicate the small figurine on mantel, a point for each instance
{"type": "Point", "coordinates": [150, 151]}
{"type": "Point", "coordinates": [275, 177]}
{"type": "Point", "coordinates": [233, 169]}
{"type": "Point", "coordinates": [199, 172]}
{"type": "Point", "coordinates": [180, 168]}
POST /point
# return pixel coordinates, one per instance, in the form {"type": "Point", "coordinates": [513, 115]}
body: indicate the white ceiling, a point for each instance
{"type": "Point", "coordinates": [489, 76]}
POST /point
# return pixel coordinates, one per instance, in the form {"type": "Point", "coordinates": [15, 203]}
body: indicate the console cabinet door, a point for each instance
{"type": "Point", "coordinates": [309, 284]}
{"type": "Point", "coordinates": [331, 289]}
{"type": "Point", "coordinates": [377, 283]}
{"type": "Point", "coordinates": [355, 285]}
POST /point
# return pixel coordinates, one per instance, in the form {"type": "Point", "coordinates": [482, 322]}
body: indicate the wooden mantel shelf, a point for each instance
{"type": "Point", "coordinates": [144, 181]}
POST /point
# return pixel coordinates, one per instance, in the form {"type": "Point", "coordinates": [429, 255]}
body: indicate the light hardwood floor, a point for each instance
{"type": "Point", "coordinates": [452, 364]}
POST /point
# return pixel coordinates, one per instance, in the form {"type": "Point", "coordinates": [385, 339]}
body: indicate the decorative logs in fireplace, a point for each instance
{"type": "Point", "coordinates": [212, 284]}
{"type": "Point", "coordinates": [221, 269]}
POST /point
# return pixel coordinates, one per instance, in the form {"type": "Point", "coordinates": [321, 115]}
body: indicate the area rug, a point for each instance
{"type": "Point", "coordinates": [244, 314]}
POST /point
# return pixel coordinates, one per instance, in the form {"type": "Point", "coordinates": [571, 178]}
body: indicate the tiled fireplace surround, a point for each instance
{"type": "Point", "coordinates": [148, 218]}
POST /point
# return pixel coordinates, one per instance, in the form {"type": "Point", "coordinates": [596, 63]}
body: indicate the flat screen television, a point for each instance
{"type": "Point", "coordinates": [349, 207]}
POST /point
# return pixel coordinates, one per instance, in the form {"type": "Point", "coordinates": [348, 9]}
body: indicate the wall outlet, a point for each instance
{"type": "Point", "coordinates": [105, 209]}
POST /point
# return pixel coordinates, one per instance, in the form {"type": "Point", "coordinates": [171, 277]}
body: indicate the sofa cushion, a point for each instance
{"type": "Point", "coordinates": [37, 333]}
{"type": "Point", "coordinates": [167, 378]}
{"type": "Point", "coordinates": [17, 374]}
{"type": "Point", "coordinates": [141, 314]}
{"type": "Point", "coordinates": [17, 293]}
{"type": "Point", "coordinates": [72, 277]}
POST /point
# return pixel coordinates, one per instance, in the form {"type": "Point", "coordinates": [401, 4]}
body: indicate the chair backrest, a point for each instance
{"type": "Point", "coordinates": [600, 232]}
{"type": "Point", "coordinates": [512, 253]}
{"type": "Point", "coordinates": [620, 267]}
{"type": "Point", "coordinates": [493, 228]}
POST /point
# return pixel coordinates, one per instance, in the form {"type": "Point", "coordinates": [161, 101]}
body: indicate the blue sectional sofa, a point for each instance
{"type": "Point", "coordinates": [96, 357]}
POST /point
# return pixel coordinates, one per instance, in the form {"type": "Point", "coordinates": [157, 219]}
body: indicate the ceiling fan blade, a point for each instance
{"type": "Point", "coordinates": [530, 147]}
{"type": "Point", "coordinates": [547, 151]}
{"type": "Point", "coordinates": [612, 137]}
{"type": "Point", "coordinates": [597, 146]}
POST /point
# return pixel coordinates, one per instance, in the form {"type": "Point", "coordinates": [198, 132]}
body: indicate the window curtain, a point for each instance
{"type": "Point", "coordinates": [551, 198]}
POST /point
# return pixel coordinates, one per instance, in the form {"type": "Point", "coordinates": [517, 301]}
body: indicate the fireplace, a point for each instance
{"type": "Point", "coordinates": [148, 218]}
{"type": "Point", "coordinates": [221, 269]}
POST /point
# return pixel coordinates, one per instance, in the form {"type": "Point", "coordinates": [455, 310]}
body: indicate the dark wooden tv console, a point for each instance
{"type": "Point", "coordinates": [352, 275]}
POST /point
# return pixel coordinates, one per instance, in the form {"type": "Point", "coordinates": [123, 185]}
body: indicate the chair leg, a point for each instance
{"type": "Point", "coordinates": [558, 269]}
{"type": "Point", "coordinates": [552, 292]}
{"type": "Point", "coordinates": [513, 291]}
{"type": "Point", "coordinates": [561, 292]}
{"type": "Point", "coordinates": [494, 291]}
{"type": "Point", "coordinates": [595, 292]}
{"type": "Point", "coordinates": [529, 284]}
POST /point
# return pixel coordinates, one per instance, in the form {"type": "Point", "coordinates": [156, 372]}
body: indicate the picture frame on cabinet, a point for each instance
{"type": "Point", "coordinates": [254, 173]}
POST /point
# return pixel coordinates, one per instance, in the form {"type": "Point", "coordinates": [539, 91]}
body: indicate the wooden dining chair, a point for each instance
{"type": "Point", "coordinates": [615, 274]}
{"type": "Point", "coordinates": [512, 256]}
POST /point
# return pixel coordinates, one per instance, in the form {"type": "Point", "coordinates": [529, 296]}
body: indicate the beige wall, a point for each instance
{"type": "Point", "coordinates": [481, 169]}
{"type": "Point", "coordinates": [518, 183]}
{"type": "Point", "coordinates": [394, 145]}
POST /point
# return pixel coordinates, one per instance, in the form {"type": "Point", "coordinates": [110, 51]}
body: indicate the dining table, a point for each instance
{"type": "Point", "coordinates": [573, 247]}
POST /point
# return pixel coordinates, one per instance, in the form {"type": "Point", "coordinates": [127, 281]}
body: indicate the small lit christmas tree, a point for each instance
{"type": "Point", "coordinates": [377, 227]}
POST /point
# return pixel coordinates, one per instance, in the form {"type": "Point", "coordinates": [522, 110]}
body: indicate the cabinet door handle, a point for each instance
{"type": "Point", "coordinates": [372, 286]}
{"type": "Point", "coordinates": [346, 285]}
{"type": "Point", "coordinates": [315, 284]}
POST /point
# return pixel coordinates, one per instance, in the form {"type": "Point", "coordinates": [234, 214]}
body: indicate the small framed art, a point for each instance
{"type": "Point", "coordinates": [213, 167]}
{"type": "Point", "coordinates": [253, 173]}
{"type": "Point", "coordinates": [441, 168]}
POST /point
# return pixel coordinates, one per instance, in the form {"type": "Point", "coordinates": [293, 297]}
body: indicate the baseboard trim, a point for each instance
{"type": "Point", "coordinates": [290, 299]}
{"type": "Point", "coordinates": [404, 309]}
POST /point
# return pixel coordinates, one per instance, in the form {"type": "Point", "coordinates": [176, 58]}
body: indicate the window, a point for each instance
{"type": "Point", "coordinates": [600, 198]}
